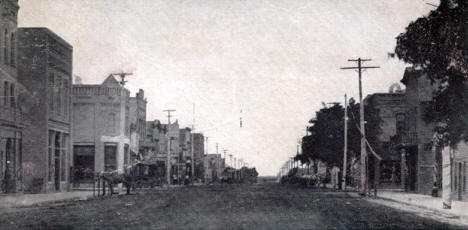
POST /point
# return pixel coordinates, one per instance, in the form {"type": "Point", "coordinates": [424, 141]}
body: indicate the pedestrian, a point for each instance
{"type": "Point", "coordinates": [335, 176]}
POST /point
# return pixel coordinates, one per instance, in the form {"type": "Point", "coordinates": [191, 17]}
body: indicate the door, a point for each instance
{"type": "Point", "coordinates": [10, 166]}
{"type": "Point", "coordinates": [412, 167]}
{"type": "Point", "coordinates": [57, 162]}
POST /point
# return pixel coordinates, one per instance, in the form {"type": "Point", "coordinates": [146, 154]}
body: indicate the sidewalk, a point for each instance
{"type": "Point", "coordinates": [459, 208]}
{"type": "Point", "coordinates": [23, 200]}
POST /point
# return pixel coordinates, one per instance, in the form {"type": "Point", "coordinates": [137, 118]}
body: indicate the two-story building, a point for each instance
{"type": "Point", "coordinates": [391, 109]}
{"type": "Point", "coordinates": [45, 69]}
{"type": "Point", "coordinates": [101, 125]}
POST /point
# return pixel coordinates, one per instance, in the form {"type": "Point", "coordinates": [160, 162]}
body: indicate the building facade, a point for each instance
{"type": "Point", "coordinates": [391, 110]}
{"type": "Point", "coordinates": [137, 123]}
{"type": "Point", "coordinates": [214, 167]}
{"type": "Point", "coordinates": [45, 69]}
{"type": "Point", "coordinates": [101, 124]}
{"type": "Point", "coordinates": [12, 119]}
{"type": "Point", "coordinates": [422, 164]}
{"type": "Point", "coordinates": [198, 153]}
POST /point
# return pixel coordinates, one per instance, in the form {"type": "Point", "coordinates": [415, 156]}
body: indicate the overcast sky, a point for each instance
{"type": "Point", "coordinates": [276, 60]}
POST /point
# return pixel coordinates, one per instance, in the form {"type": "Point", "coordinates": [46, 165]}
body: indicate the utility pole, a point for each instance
{"type": "Point", "coordinates": [216, 148]}
{"type": "Point", "coordinates": [345, 150]}
{"type": "Point", "coordinates": [122, 76]}
{"type": "Point", "coordinates": [364, 161]}
{"type": "Point", "coordinates": [230, 160]}
{"type": "Point", "coordinates": [192, 155]}
{"type": "Point", "coordinates": [224, 151]}
{"type": "Point", "coordinates": [168, 165]}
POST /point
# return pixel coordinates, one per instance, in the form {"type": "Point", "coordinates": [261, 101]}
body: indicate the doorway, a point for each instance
{"type": "Point", "coordinates": [10, 167]}
{"type": "Point", "coordinates": [412, 161]}
{"type": "Point", "coordinates": [57, 162]}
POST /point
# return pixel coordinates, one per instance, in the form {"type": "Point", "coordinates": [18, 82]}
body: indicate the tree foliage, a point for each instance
{"type": "Point", "coordinates": [326, 139]}
{"type": "Point", "coordinates": [438, 44]}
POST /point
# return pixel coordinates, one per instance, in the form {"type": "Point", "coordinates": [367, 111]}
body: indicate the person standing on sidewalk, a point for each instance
{"type": "Point", "coordinates": [335, 176]}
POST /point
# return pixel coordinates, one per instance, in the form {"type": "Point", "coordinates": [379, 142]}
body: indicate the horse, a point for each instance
{"type": "Point", "coordinates": [114, 177]}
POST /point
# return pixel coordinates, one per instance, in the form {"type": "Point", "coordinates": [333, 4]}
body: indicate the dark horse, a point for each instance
{"type": "Point", "coordinates": [114, 177]}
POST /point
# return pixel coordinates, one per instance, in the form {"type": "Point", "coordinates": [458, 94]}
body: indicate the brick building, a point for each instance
{"type": "Point", "coordinates": [415, 143]}
{"type": "Point", "coordinates": [101, 125]}
{"type": "Point", "coordinates": [45, 69]}
{"type": "Point", "coordinates": [12, 119]}
{"type": "Point", "coordinates": [391, 108]}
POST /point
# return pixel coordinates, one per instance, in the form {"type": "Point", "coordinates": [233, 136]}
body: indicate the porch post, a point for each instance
{"type": "Point", "coordinates": [446, 178]}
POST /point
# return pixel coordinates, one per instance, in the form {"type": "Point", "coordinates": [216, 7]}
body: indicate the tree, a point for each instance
{"type": "Point", "coordinates": [438, 45]}
{"type": "Point", "coordinates": [326, 141]}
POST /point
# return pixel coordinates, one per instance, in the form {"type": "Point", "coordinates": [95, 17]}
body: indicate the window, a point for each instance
{"type": "Point", "coordinates": [12, 50]}
{"type": "Point", "coordinates": [111, 124]}
{"type": "Point", "coordinates": [58, 94]}
{"type": "Point", "coordinates": [5, 47]}
{"type": "Point", "coordinates": [12, 95]}
{"type": "Point", "coordinates": [5, 93]}
{"type": "Point", "coordinates": [51, 91]}
{"type": "Point", "coordinates": [65, 97]}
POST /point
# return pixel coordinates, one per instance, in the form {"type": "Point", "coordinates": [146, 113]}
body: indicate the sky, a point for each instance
{"type": "Point", "coordinates": [274, 60]}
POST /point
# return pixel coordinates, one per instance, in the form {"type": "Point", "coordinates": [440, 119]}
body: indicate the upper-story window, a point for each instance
{"type": "Point", "coordinates": [58, 94]}
{"type": "Point", "coordinates": [400, 123]}
{"type": "Point", "coordinates": [6, 88]}
{"type": "Point", "coordinates": [50, 95]}
{"type": "Point", "coordinates": [66, 95]}
{"type": "Point", "coordinates": [5, 47]}
{"type": "Point", "coordinates": [12, 50]}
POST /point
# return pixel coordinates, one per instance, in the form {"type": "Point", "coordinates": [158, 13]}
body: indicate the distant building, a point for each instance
{"type": "Point", "coordinates": [137, 123]}
{"type": "Point", "coordinates": [101, 124]}
{"type": "Point", "coordinates": [45, 69]}
{"type": "Point", "coordinates": [214, 167]}
{"type": "Point", "coordinates": [198, 152]}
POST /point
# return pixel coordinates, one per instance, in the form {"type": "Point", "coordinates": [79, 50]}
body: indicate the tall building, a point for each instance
{"type": "Point", "coordinates": [45, 69]}
{"type": "Point", "coordinates": [198, 152]}
{"type": "Point", "coordinates": [12, 119]}
{"type": "Point", "coordinates": [415, 144]}
{"type": "Point", "coordinates": [101, 125]}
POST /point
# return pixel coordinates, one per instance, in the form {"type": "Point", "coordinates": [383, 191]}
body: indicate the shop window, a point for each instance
{"type": "Point", "coordinates": [50, 155]}
{"type": "Point", "coordinates": [390, 172]}
{"type": "Point", "coordinates": [64, 157]}
{"type": "Point", "coordinates": [110, 157]}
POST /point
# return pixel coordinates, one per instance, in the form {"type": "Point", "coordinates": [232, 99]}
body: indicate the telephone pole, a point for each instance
{"type": "Point", "coordinates": [168, 165]}
{"type": "Point", "coordinates": [122, 76]}
{"type": "Point", "coordinates": [364, 161]}
{"type": "Point", "coordinates": [345, 150]}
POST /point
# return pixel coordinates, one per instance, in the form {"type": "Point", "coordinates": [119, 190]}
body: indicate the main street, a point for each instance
{"type": "Point", "coordinates": [258, 206]}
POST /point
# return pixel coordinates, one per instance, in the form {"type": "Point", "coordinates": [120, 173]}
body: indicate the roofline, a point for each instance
{"type": "Point", "coordinates": [50, 32]}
